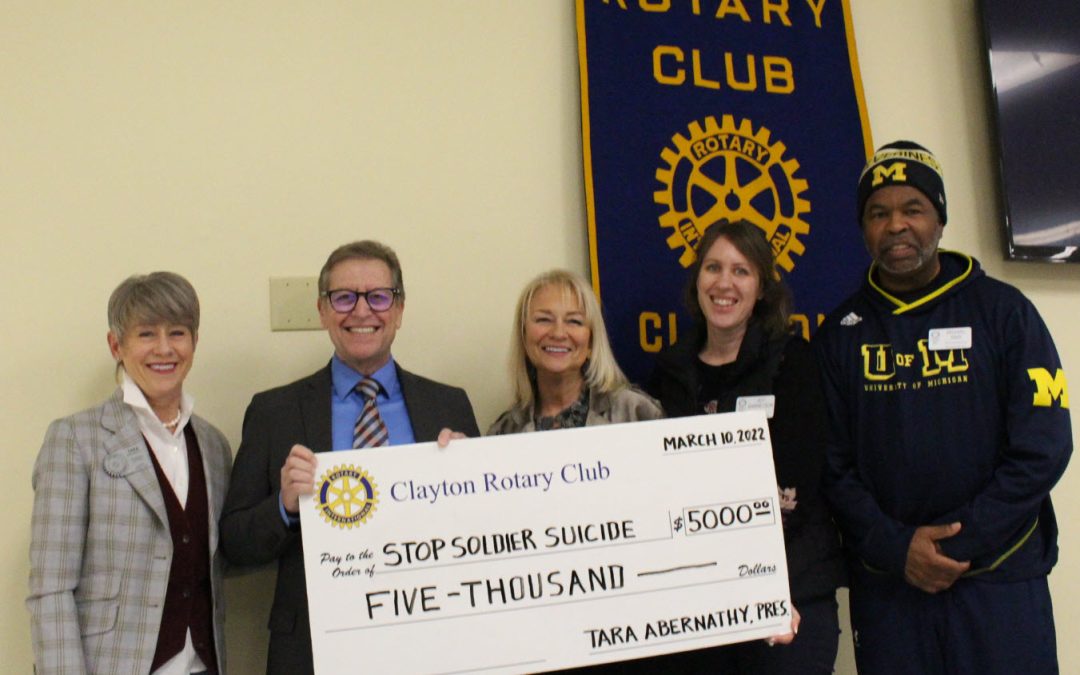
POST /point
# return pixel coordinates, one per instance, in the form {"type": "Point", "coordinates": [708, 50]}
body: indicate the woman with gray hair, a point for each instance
{"type": "Point", "coordinates": [125, 575]}
{"type": "Point", "coordinates": [565, 374]}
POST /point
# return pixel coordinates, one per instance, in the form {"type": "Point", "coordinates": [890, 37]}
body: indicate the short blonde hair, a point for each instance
{"type": "Point", "coordinates": [601, 371]}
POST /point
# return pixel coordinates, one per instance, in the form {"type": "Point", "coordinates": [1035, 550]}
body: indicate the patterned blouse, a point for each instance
{"type": "Point", "coordinates": [571, 417]}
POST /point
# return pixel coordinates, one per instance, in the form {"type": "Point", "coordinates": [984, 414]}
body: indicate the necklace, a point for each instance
{"type": "Point", "coordinates": [172, 423]}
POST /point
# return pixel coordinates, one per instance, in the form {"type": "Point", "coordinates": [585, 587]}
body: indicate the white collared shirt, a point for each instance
{"type": "Point", "coordinates": [170, 451]}
{"type": "Point", "coordinates": [169, 447]}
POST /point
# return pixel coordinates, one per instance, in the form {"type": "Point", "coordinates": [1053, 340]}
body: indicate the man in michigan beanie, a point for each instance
{"type": "Point", "coordinates": [904, 163]}
{"type": "Point", "coordinates": [949, 409]}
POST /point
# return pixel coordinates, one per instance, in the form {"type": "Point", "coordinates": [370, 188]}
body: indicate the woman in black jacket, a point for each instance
{"type": "Point", "coordinates": [742, 355]}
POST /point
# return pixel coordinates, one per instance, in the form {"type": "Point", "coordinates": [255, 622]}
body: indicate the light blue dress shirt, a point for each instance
{"type": "Point", "coordinates": [346, 404]}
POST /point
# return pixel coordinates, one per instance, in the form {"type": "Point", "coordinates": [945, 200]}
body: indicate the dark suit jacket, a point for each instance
{"type": "Point", "coordinates": [252, 531]}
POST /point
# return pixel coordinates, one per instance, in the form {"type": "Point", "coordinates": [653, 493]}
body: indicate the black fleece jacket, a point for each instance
{"type": "Point", "coordinates": [784, 367]}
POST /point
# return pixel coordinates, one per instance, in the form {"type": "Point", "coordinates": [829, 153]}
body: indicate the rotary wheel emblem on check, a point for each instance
{"type": "Point", "coordinates": [346, 496]}
{"type": "Point", "coordinates": [733, 172]}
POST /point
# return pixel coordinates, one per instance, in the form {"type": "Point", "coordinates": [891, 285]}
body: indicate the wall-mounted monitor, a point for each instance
{"type": "Point", "coordinates": [1033, 50]}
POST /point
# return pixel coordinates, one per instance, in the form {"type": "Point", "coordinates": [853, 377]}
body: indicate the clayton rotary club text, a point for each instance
{"type": "Point", "coordinates": [569, 474]}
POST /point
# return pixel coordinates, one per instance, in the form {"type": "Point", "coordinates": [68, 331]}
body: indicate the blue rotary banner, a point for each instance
{"type": "Point", "coordinates": [698, 110]}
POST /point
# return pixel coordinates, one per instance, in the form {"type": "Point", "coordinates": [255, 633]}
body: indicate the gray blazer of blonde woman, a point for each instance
{"type": "Point", "coordinates": [627, 404]}
{"type": "Point", "coordinates": [100, 547]}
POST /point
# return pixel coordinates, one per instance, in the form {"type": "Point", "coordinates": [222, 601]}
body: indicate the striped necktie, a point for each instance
{"type": "Point", "coordinates": [370, 431]}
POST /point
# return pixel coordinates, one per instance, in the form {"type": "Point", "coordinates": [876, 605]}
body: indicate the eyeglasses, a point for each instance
{"type": "Point", "coordinates": [344, 300]}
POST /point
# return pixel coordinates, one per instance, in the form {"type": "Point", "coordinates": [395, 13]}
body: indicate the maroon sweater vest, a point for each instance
{"type": "Point", "coordinates": [188, 597]}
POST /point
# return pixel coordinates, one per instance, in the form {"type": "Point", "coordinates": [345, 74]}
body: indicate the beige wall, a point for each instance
{"type": "Point", "coordinates": [237, 142]}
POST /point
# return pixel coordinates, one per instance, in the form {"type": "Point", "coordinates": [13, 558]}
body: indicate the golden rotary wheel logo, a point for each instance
{"type": "Point", "coordinates": [346, 496]}
{"type": "Point", "coordinates": [731, 172]}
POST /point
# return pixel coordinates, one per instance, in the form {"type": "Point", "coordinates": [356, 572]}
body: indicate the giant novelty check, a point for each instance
{"type": "Point", "coordinates": [541, 551]}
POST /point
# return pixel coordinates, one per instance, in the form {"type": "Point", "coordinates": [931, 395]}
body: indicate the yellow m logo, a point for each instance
{"type": "Point", "coordinates": [895, 171]}
{"type": "Point", "coordinates": [1048, 388]}
{"type": "Point", "coordinates": [951, 361]}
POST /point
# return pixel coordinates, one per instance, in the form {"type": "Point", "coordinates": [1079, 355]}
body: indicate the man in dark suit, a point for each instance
{"type": "Point", "coordinates": [361, 398]}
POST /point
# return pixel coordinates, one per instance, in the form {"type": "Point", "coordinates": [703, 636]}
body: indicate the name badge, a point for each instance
{"type": "Point", "coordinates": [763, 403]}
{"type": "Point", "coordinates": [950, 338]}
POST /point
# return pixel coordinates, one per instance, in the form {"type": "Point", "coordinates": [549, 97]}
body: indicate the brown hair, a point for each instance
{"type": "Point", "coordinates": [773, 310]}
{"type": "Point", "coordinates": [363, 250]}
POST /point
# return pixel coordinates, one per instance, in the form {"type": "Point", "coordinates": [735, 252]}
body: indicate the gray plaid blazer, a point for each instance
{"type": "Point", "coordinates": [100, 548]}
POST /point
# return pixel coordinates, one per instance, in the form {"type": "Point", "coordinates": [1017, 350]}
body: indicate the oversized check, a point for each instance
{"type": "Point", "coordinates": [541, 551]}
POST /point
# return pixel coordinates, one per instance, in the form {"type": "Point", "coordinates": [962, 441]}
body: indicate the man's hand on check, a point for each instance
{"type": "Point", "coordinates": [446, 435]}
{"type": "Point", "coordinates": [297, 477]}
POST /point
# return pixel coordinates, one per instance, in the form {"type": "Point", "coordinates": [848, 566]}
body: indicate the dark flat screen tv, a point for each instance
{"type": "Point", "coordinates": [1033, 55]}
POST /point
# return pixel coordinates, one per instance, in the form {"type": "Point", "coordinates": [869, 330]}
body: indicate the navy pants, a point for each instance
{"type": "Point", "coordinates": [974, 627]}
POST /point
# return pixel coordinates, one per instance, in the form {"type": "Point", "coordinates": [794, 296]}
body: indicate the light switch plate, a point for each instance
{"type": "Point", "coordinates": [293, 303]}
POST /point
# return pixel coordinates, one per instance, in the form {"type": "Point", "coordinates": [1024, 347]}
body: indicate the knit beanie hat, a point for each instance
{"type": "Point", "coordinates": [903, 163]}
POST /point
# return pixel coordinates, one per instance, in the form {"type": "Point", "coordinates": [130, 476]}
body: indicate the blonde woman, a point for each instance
{"type": "Point", "coordinates": [565, 374]}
